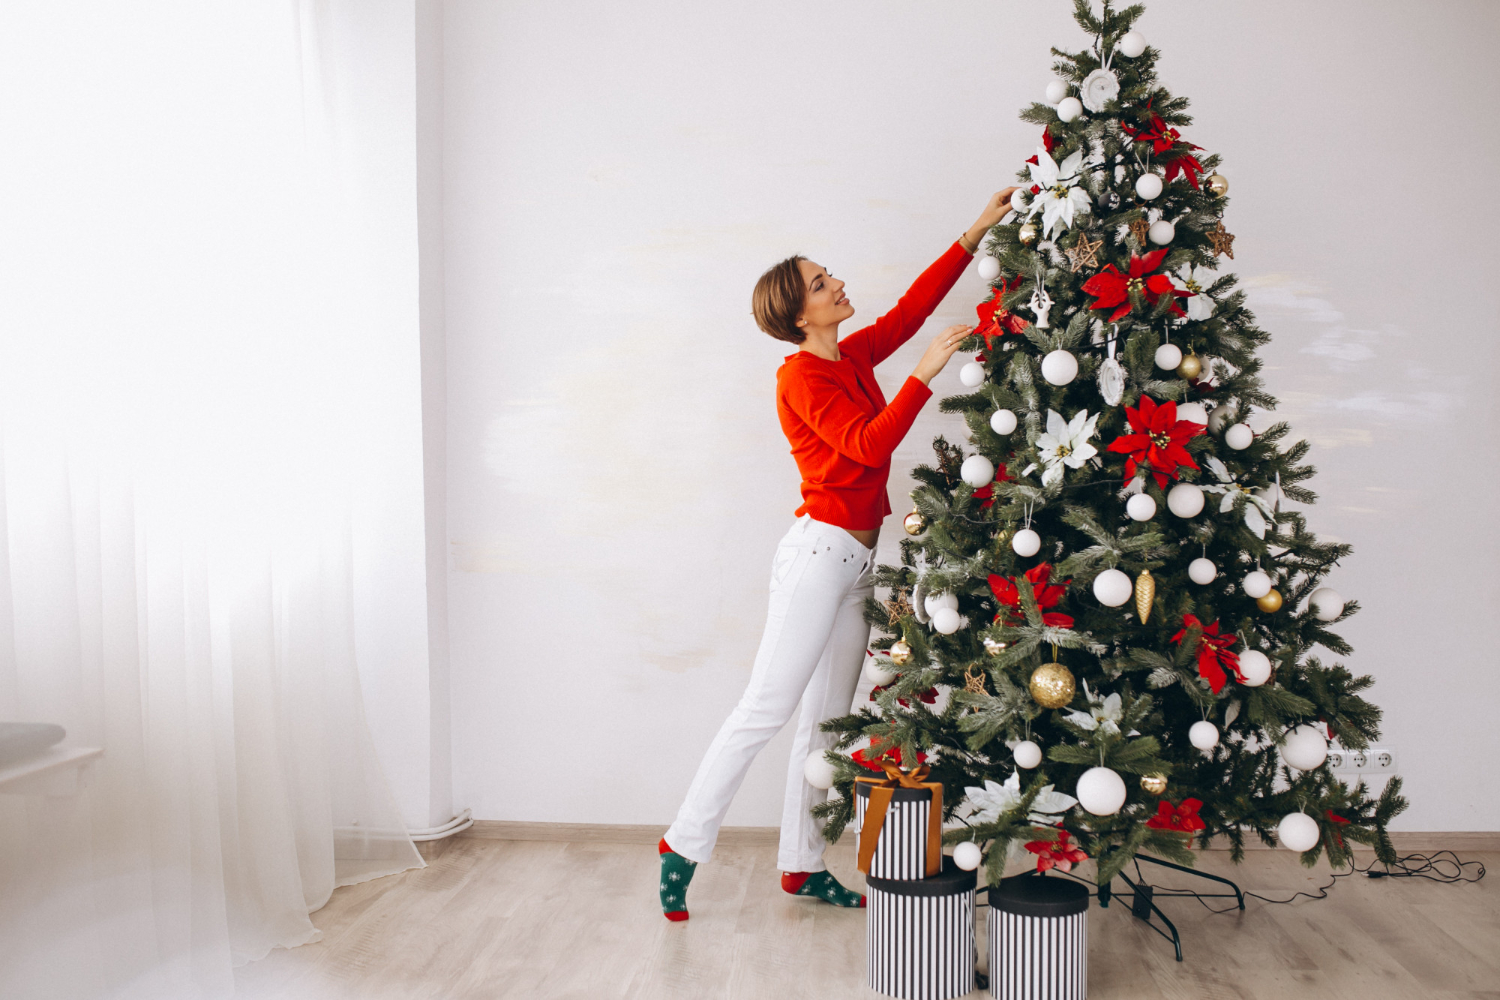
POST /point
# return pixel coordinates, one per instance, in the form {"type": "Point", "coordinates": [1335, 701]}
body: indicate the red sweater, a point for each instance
{"type": "Point", "coordinates": [841, 431]}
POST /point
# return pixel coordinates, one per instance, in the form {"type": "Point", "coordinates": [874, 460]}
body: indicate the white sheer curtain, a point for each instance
{"type": "Point", "coordinates": [197, 334]}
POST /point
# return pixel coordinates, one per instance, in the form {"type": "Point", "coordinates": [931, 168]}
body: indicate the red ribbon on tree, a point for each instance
{"type": "Point", "coordinates": [1112, 289]}
{"type": "Point", "coordinates": [1213, 652]}
{"type": "Point", "coordinates": [1337, 819]}
{"type": "Point", "coordinates": [994, 321]}
{"type": "Point", "coordinates": [1057, 853]}
{"type": "Point", "coordinates": [926, 697]}
{"type": "Point", "coordinates": [1183, 819]}
{"type": "Point", "coordinates": [1157, 441]}
{"type": "Point", "coordinates": [1047, 595]}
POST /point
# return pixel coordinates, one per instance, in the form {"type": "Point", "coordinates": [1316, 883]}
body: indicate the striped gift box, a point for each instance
{"type": "Point", "coordinates": [919, 935]}
{"type": "Point", "coordinates": [1038, 939]}
{"type": "Point", "coordinates": [901, 850]}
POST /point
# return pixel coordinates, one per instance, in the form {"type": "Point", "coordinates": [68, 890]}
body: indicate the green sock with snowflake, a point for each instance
{"type": "Point", "coordinates": [821, 885]}
{"type": "Point", "coordinates": [676, 873]}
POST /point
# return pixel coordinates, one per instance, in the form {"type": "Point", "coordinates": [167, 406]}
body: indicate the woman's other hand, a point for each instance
{"type": "Point", "coordinates": [935, 358]}
{"type": "Point", "coordinates": [999, 204]}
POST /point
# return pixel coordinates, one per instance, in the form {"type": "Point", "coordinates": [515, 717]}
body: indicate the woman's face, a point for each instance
{"type": "Point", "coordinates": [826, 303]}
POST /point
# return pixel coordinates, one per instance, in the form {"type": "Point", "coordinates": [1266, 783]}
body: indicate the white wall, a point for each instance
{"type": "Point", "coordinates": [617, 175]}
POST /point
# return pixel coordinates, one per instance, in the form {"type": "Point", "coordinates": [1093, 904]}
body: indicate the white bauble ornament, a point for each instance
{"type": "Point", "coordinates": [1305, 748]}
{"type": "Point", "coordinates": [1193, 413]}
{"type": "Point", "coordinates": [1161, 232]}
{"type": "Point", "coordinates": [1098, 89]}
{"type": "Point", "coordinates": [1113, 588]}
{"type": "Point", "coordinates": [936, 602]}
{"type": "Point", "coordinates": [880, 672]}
{"type": "Point", "coordinates": [1326, 604]}
{"type": "Point", "coordinates": [1132, 44]}
{"type": "Point", "coordinates": [1003, 421]}
{"type": "Point", "coordinates": [1026, 543]}
{"type": "Point", "coordinates": [1204, 735]}
{"type": "Point", "coordinates": [1069, 108]}
{"type": "Point", "coordinates": [1027, 754]}
{"type": "Point", "coordinates": [1056, 91]}
{"type": "Point", "coordinates": [971, 374]}
{"type": "Point", "coordinates": [977, 471]}
{"type": "Point", "coordinates": [1185, 500]}
{"type": "Point", "coordinates": [1100, 791]}
{"type": "Point", "coordinates": [1018, 200]}
{"type": "Point", "coordinates": [1255, 668]}
{"type": "Point", "coordinates": [817, 770]}
{"type": "Point", "coordinates": [946, 621]}
{"type": "Point", "coordinates": [989, 267]}
{"type": "Point", "coordinates": [1257, 584]}
{"type": "Point", "coordinates": [1219, 417]}
{"type": "Point", "coordinates": [967, 855]}
{"type": "Point", "coordinates": [1168, 356]}
{"type": "Point", "coordinates": [1059, 367]}
{"type": "Point", "coordinates": [1239, 437]}
{"type": "Point", "coordinates": [1141, 507]}
{"type": "Point", "coordinates": [1202, 571]}
{"type": "Point", "coordinates": [1298, 832]}
{"type": "Point", "coordinates": [1148, 186]}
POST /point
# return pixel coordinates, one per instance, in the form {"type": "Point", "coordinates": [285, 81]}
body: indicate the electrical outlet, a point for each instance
{"type": "Point", "coordinates": [1337, 759]}
{"type": "Point", "coordinates": [1374, 760]}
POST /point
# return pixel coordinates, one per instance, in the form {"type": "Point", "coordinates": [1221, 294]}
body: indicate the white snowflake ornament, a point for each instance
{"type": "Point", "coordinates": [1060, 197]}
{"type": "Point", "coordinates": [1196, 280]}
{"type": "Point", "coordinates": [1099, 88]}
{"type": "Point", "coordinates": [1065, 444]}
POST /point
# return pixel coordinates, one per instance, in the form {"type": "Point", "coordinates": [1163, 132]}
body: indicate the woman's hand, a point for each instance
{"type": "Point", "coordinates": [939, 351]}
{"type": "Point", "coordinates": [993, 212]}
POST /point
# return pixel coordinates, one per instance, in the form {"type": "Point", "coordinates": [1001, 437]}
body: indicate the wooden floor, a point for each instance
{"type": "Point", "coordinates": [500, 919]}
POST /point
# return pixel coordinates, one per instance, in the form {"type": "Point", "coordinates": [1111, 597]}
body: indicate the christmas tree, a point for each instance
{"type": "Point", "coordinates": [1107, 578]}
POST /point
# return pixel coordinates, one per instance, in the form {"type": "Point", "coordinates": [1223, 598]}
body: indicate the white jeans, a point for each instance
{"type": "Point", "coordinates": [812, 649]}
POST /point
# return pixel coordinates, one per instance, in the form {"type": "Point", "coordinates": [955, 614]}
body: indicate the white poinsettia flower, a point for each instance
{"type": "Point", "coordinates": [1060, 196]}
{"type": "Point", "coordinates": [993, 800]}
{"type": "Point", "coordinates": [1065, 444]}
{"type": "Point", "coordinates": [1103, 714]}
{"type": "Point", "coordinates": [1258, 512]}
{"type": "Point", "coordinates": [1197, 281]}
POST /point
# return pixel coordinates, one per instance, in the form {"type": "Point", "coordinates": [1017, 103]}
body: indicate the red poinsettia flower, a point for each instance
{"type": "Point", "coordinates": [1183, 819]}
{"type": "Point", "coordinates": [1337, 819]}
{"type": "Point", "coordinates": [994, 321]}
{"type": "Point", "coordinates": [987, 493]}
{"type": "Point", "coordinates": [1187, 165]}
{"type": "Point", "coordinates": [1157, 441]}
{"type": "Point", "coordinates": [1059, 853]}
{"type": "Point", "coordinates": [1047, 594]}
{"type": "Point", "coordinates": [1213, 653]}
{"type": "Point", "coordinates": [1161, 136]}
{"type": "Point", "coordinates": [1048, 143]}
{"type": "Point", "coordinates": [1111, 289]}
{"type": "Point", "coordinates": [926, 697]}
{"type": "Point", "coordinates": [869, 757]}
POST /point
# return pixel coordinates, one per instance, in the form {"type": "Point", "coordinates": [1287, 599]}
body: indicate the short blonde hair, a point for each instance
{"type": "Point", "coordinates": [778, 297]}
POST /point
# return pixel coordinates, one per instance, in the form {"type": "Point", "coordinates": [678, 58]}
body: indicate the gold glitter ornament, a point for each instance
{"type": "Point", "coordinates": [1145, 594]}
{"type": "Point", "coordinates": [1154, 784]}
{"type": "Point", "coordinates": [1271, 603]}
{"type": "Point", "coordinates": [900, 653]}
{"type": "Point", "coordinates": [1028, 233]}
{"type": "Point", "coordinates": [994, 647]}
{"type": "Point", "coordinates": [1191, 366]}
{"type": "Point", "coordinates": [915, 523]}
{"type": "Point", "coordinates": [1218, 185]}
{"type": "Point", "coordinates": [1052, 685]}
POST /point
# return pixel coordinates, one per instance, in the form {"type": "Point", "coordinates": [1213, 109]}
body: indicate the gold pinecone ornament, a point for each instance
{"type": "Point", "coordinates": [1052, 685]}
{"type": "Point", "coordinates": [1145, 595]}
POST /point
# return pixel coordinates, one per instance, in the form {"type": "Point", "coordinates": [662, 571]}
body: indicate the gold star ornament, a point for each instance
{"type": "Point", "coordinates": [973, 684]}
{"type": "Point", "coordinates": [1084, 253]}
{"type": "Point", "coordinates": [1223, 242]}
{"type": "Point", "coordinates": [1139, 229]}
{"type": "Point", "coordinates": [898, 607]}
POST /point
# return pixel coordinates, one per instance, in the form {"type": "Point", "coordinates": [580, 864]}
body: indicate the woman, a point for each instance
{"type": "Point", "coordinates": [842, 433]}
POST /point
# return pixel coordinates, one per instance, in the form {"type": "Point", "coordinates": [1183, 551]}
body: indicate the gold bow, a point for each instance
{"type": "Point", "coordinates": [880, 802]}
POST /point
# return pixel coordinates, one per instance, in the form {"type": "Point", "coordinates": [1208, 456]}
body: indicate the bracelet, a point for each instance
{"type": "Point", "coordinates": [963, 241]}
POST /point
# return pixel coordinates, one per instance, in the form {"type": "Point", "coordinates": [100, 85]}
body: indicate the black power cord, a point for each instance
{"type": "Point", "coordinates": [1443, 866]}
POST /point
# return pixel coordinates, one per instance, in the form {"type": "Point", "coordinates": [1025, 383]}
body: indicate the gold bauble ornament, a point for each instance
{"type": "Point", "coordinates": [1271, 603]}
{"type": "Point", "coordinates": [900, 653]}
{"type": "Point", "coordinates": [1154, 784]}
{"type": "Point", "coordinates": [1191, 367]}
{"type": "Point", "coordinates": [994, 647]}
{"type": "Point", "coordinates": [1218, 185]}
{"type": "Point", "coordinates": [1052, 685]}
{"type": "Point", "coordinates": [1145, 594]}
{"type": "Point", "coordinates": [1028, 233]}
{"type": "Point", "coordinates": [915, 523]}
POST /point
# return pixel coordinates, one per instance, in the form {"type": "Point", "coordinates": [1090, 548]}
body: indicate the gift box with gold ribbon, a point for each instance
{"type": "Point", "coordinates": [900, 820]}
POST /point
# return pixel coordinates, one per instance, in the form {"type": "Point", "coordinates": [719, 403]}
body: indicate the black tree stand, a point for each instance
{"type": "Point", "coordinates": [1143, 895]}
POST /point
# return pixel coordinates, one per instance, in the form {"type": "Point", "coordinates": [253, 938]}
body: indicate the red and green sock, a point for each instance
{"type": "Point", "coordinates": [676, 873]}
{"type": "Point", "coordinates": [820, 885]}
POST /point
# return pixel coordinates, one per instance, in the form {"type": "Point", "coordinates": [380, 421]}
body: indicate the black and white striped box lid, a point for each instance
{"type": "Point", "coordinates": [1034, 895]}
{"type": "Point", "coordinates": [951, 881]}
